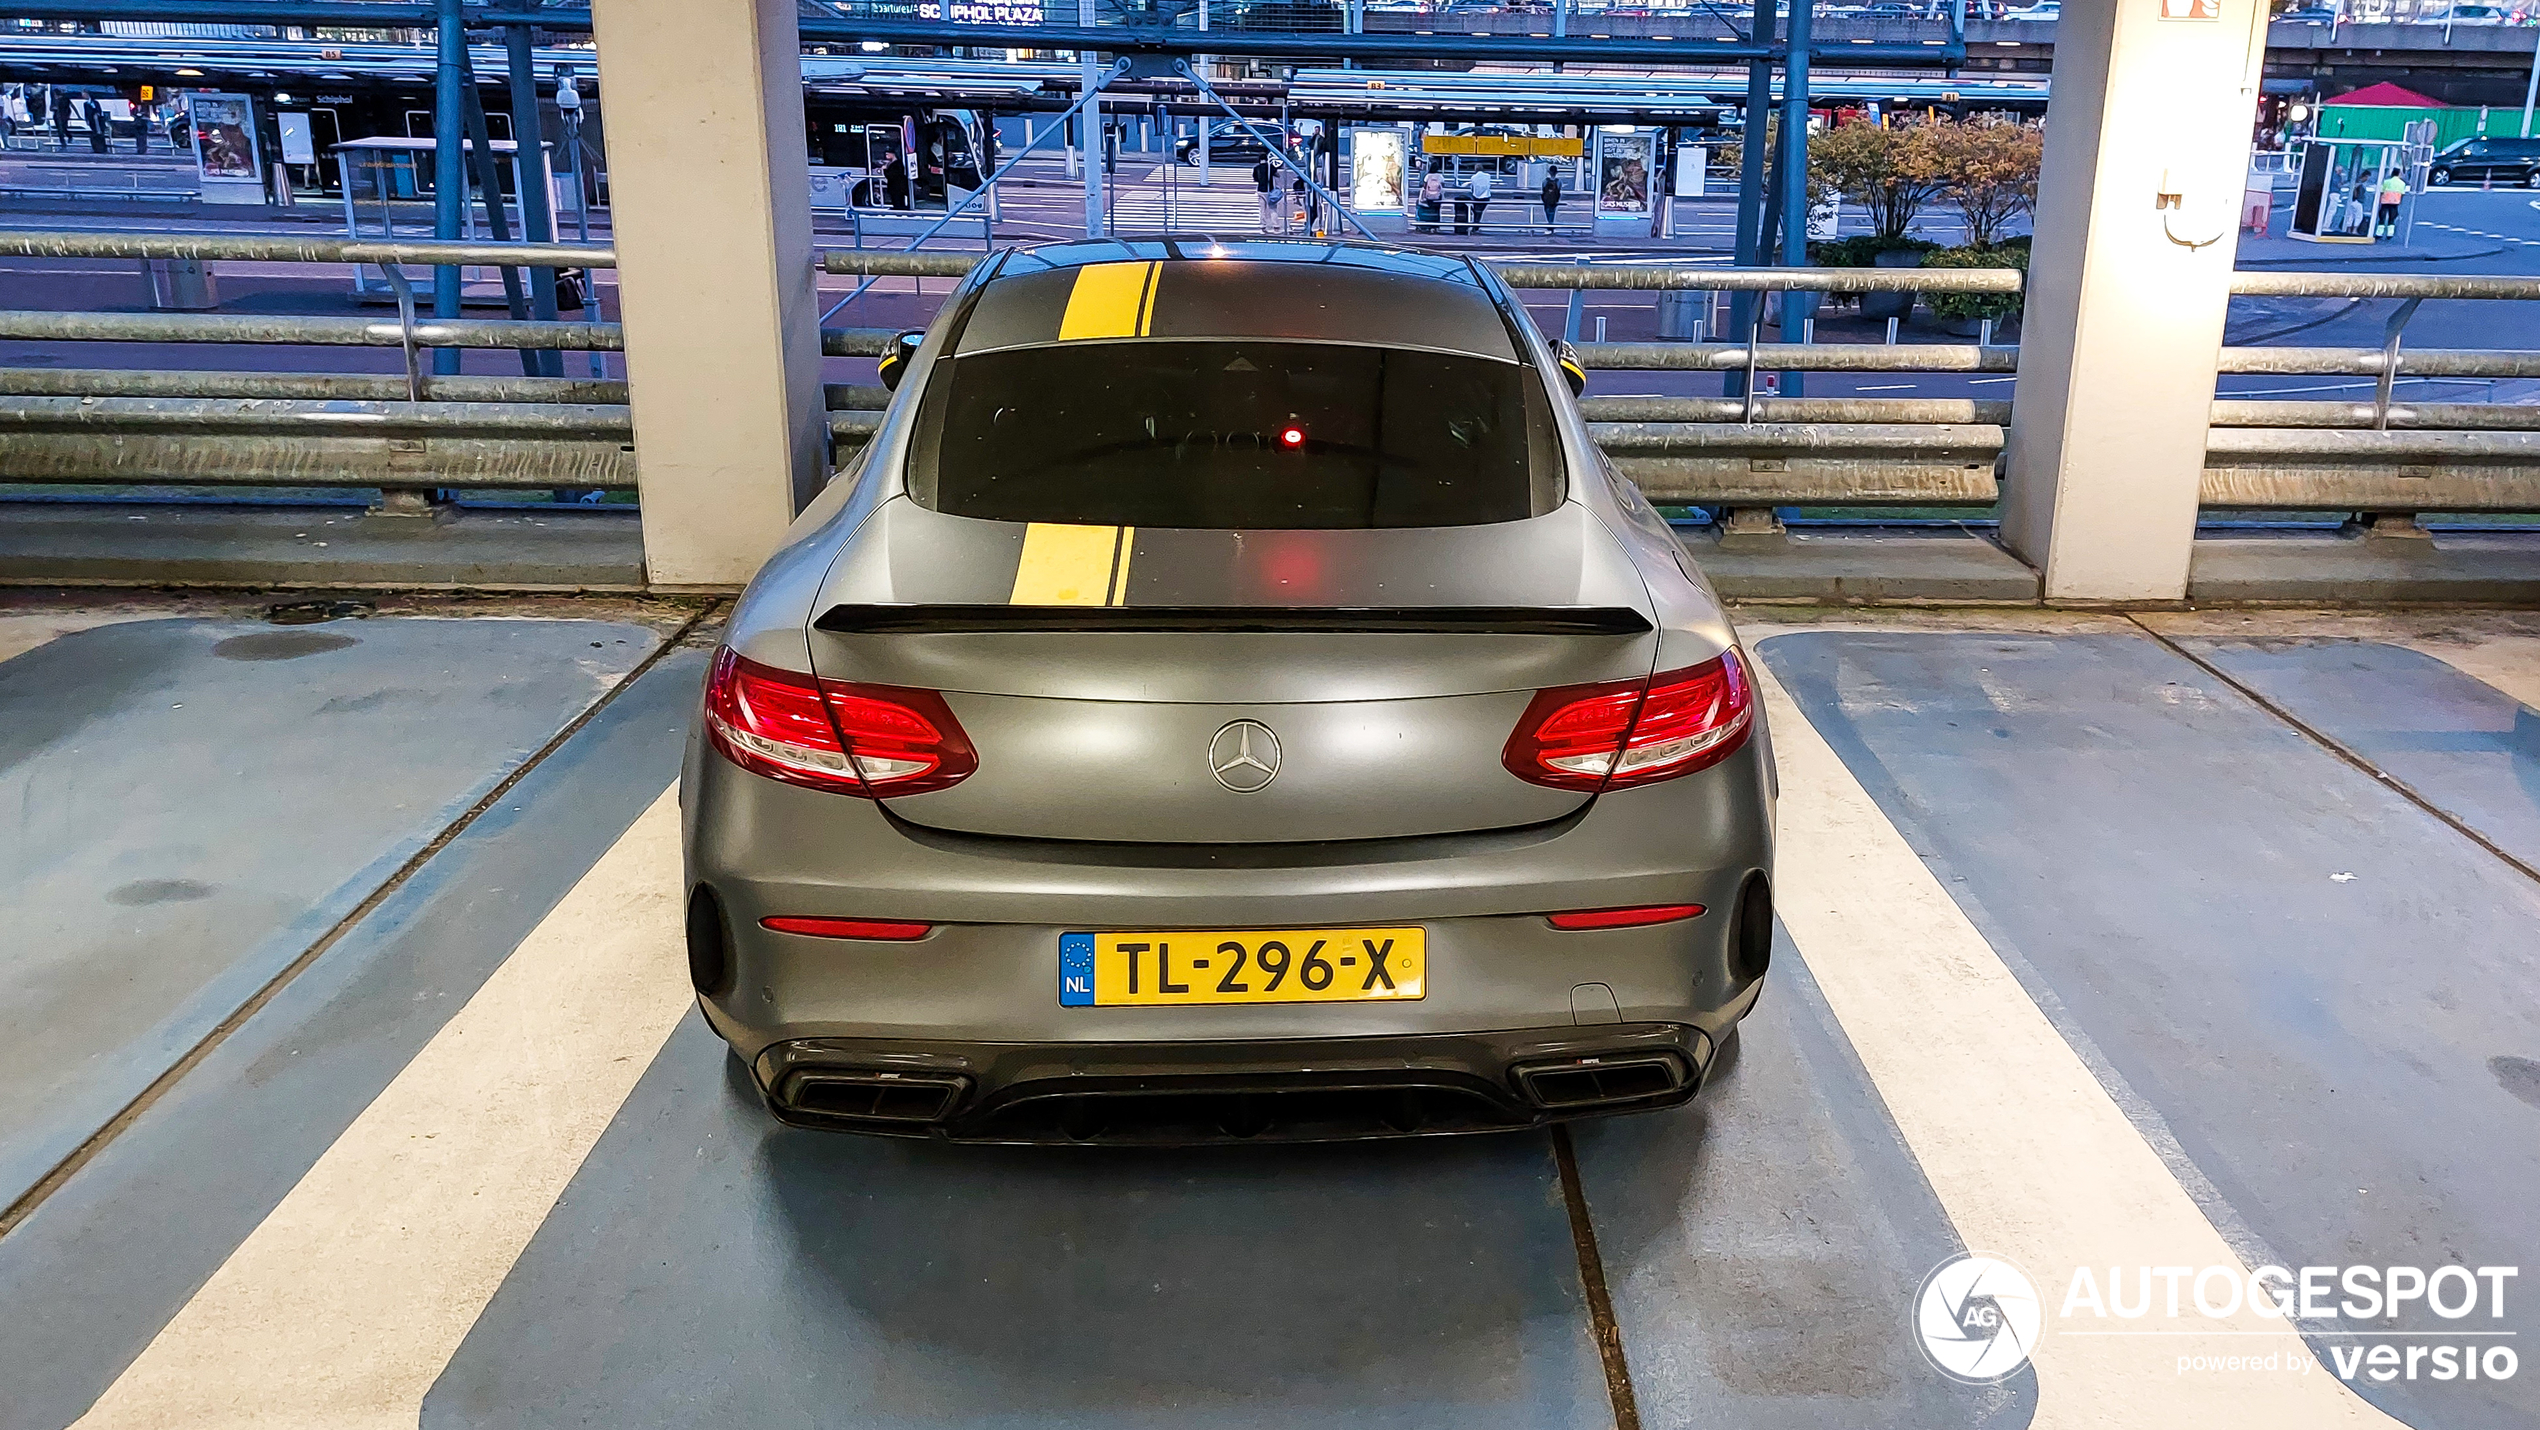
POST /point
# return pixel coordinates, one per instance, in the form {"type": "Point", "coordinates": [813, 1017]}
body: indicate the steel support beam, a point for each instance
{"type": "Point", "coordinates": [449, 162]}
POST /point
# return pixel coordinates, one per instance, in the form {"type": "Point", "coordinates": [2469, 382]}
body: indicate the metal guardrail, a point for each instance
{"type": "Point", "coordinates": [2383, 460]}
{"type": "Point", "coordinates": [1646, 277]}
{"type": "Point", "coordinates": [310, 386]}
{"type": "Point", "coordinates": [308, 330]}
{"type": "Point", "coordinates": [363, 430]}
{"type": "Point", "coordinates": [1799, 357]}
{"type": "Point", "coordinates": [256, 442]}
{"type": "Point", "coordinates": [2256, 283]}
{"type": "Point", "coordinates": [1620, 276]}
{"type": "Point", "coordinates": [269, 429]}
{"type": "Point", "coordinates": [74, 243]}
{"type": "Point", "coordinates": [2372, 362]}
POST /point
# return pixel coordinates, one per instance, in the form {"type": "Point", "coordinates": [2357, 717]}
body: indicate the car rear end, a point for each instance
{"type": "Point", "coordinates": [1230, 701]}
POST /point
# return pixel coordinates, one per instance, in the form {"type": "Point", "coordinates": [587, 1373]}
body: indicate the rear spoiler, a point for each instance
{"type": "Point", "coordinates": [1278, 620]}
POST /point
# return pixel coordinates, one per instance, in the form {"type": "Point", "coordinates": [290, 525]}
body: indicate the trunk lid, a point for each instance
{"type": "Point", "coordinates": [1381, 671]}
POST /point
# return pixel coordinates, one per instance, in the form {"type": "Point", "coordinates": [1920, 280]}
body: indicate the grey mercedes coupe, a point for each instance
{"type": "Point", "coordinates": [1230, 697]}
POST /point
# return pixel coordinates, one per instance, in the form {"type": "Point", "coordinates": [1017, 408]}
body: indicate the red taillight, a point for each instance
{"type": "Point", "coordinates": [834, 735]}
{"type": "Point", "coordinates": [878, 930]}
{"type": "Point", "coordinates": [1625, 918]}
{"type": "Point", "coordinates": [1632, 732]}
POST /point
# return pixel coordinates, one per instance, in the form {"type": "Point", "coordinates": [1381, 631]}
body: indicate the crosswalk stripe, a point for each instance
{"type": "Point", "coordinates": [2029, 1156]}
{"type": "Point", "coordinates": [344, 1306]}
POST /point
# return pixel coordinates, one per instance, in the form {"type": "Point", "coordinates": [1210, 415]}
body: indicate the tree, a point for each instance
{"type": "Point", "coordinates": [1988, 170]}
{"type": "Point", "coordinates": [1890, 171]}
{"type": "Point", "coordinates": [1733, 150]}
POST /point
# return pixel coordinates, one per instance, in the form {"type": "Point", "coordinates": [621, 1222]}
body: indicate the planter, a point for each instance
{"type": "Point", "coordinates": [2005, 330]}
{"type": "Point", "coordinates": [1891, 305]}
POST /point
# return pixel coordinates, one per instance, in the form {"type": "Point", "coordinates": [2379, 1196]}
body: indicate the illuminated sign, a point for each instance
{"type": "Point", "coordinates": [1523, 146]}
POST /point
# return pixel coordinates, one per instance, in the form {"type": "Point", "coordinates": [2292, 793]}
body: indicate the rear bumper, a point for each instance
{"type": "Point", "coordinates": [1302, 1090]}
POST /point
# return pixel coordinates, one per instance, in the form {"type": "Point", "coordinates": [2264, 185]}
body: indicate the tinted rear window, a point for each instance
{"type": "Point", "coordinates": [1235, 434]}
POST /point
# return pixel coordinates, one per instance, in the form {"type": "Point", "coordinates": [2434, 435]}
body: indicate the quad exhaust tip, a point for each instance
{"type": "Point", "coordinates": [1603, 1081]}
{"type": "Point", "coordinates": [849, 1095]}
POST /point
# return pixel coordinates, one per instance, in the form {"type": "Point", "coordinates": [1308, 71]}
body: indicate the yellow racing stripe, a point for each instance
{"type": "Point", "coordinates": [1069, 565]}
{"type": "Point", "coordinates": [1120, 566]}
{"type": "Point", "coordinates": [1110, 300]}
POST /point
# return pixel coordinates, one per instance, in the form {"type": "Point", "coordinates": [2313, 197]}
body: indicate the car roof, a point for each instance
{"type": "Point", "coordinates": [1207, 288]}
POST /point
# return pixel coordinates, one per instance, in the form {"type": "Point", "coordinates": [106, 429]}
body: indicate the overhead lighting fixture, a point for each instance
{"type": "Point", "coordinates": [191, 74]}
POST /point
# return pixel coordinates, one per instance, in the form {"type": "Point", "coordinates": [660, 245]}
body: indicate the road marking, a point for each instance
{"type": "Point", "coordinates": [2029, 1156]}
{"type": "Point", "coordinates": [343, 1307]}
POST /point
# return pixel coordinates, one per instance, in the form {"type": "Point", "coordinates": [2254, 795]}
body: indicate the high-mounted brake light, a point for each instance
{"type": "Point", "coordinates": [872, 740]}
{"type": "Point", "coordinates": [1631, 732]}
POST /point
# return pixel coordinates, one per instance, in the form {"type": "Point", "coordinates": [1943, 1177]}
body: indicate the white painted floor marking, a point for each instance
{"type": "Point", "coordinates": [343, 1307]}
{"type": "Point", "coordinates": [2029, 1156]}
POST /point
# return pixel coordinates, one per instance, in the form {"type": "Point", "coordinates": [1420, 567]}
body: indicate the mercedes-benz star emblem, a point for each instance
{"type": "Point", "coordinates": [1244, 756]}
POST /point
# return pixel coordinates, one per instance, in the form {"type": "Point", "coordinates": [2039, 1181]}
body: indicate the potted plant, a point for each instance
{"type": "Point", "coordinates": [1892, 171]}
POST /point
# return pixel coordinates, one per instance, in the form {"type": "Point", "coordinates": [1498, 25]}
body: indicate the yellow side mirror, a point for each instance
{"type": "Point", "coordinates": [895, 358]}
{"type": "Point", "coordinates": [1571, 367]}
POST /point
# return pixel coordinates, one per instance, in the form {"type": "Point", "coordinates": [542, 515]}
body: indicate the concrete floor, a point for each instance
{"type": "Point", "coordinates": [351, 1076]}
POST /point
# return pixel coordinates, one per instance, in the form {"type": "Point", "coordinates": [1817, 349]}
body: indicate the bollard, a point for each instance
{"type": "Point", "coordinates": [1891, 332]}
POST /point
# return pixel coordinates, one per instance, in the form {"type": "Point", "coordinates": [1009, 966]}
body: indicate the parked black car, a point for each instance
{"type": "Point", "coordinates": [2499, 161]}
{"type": "Point", "coordinates": [1228, 146]}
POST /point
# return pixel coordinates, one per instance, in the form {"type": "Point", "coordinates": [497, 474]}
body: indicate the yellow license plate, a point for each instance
{"type": "Point", "coordinates": [1257, 966]}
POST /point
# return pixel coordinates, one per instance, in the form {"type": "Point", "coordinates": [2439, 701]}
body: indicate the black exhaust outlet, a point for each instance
{"type": "Point", "coordinates": [855, 1095]}
{"type": "Point", "coordinates": [1602, 1082]}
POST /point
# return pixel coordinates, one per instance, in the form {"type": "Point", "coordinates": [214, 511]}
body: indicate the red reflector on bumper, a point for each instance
{"type": "Point", "coordinates": [1625, 918]}
{"type": "Point", "coordinates": [888, 930]}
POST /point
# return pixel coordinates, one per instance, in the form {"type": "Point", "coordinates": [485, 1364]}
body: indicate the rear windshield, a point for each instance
{"type": "Point", "coordinates": [1235, 434]}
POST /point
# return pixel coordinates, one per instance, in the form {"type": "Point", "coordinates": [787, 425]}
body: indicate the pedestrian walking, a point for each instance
{"type": "Point", "coordinates": [1551, 194]}
{"type": "Point", "coordinates": [1478, 189]}
{"type": "Point", "coordinates": [1432, 198]}
{"type": "Point", "coordinates": [2394, 191]}
{"type": "Point", "coordinates": [95, 115]}
{"type": "Point", "coordinates": [1261, 176]}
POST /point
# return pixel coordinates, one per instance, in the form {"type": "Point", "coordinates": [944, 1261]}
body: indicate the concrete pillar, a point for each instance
{"type": "Point", "coordinates": [2127, 290]}
{"type": "Point", "coordinates": [711, 210]}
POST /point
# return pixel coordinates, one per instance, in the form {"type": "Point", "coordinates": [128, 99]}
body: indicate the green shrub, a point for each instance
{"type": "Point", "coordinates": [1861, 250]}
{"type": "Point", "coordinates": [1964, 306]}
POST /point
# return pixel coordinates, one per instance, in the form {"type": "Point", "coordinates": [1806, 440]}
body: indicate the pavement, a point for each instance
{"type": "Point", "coordinates": [356, 1079]}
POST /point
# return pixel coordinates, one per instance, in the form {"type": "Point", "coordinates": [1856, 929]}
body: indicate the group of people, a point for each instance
{"type": "Point", "coordinates": [1286, 199]}
{"type": "Point", "coordinates": [1468, 198]}
{"type": "Point", "coordinates": [30, 107]}
{"type": "Point", "coordinates": [1281, 190]}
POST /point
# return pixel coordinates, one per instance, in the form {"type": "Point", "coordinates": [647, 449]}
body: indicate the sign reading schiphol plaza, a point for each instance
{"type": "Point", "coordinates": [984, 12]}
{"type": "Point", "coordinates": [1980, 1319]}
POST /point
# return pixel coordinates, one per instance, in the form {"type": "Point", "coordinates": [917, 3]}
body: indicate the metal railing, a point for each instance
{"type": "Point", "coordinates": [2382, 461]}
{"type": "Point", "coordinates": [398, 434]}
